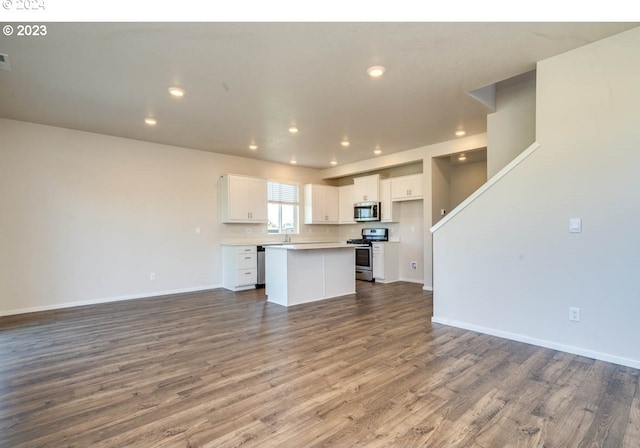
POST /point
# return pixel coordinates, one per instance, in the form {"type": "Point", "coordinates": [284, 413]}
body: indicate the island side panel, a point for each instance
{"type": "Point", "coordinates": [306, 276]}
{"type": "Point", "coordinates": [276, 273]}
{"type": "Point", "coordinates": [339, 269]}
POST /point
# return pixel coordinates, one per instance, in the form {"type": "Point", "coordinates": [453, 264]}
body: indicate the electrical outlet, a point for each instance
{"type": "Point", "coordinates": [414, 265]}
{"type": "Point", "coordinates": [198, 230]}
{"type": "Point", "coordinates": [247, 230]}
{"type": "Point", "coordinates": [152, 276]}
{"type": "Point", "coordinates": [574, 314]}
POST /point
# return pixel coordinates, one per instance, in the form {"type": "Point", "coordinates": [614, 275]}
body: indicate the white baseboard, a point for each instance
{"type": "Point", "coordinates": [58, 306]}
{"type": "Point", "coordinates": [540, 342]}
{"type": "Point", "coordinates": [411, 280]}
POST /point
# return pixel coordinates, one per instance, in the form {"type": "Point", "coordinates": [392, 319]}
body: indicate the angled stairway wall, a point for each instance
{"type": "Point", "coordinates": [507, 264]}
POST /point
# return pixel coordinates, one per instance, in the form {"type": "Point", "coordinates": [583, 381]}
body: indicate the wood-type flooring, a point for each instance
{"type": "Point", "coordinates": [224, 369]}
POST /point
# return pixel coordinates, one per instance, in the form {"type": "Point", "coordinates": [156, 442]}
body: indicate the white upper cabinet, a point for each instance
{"type": "Point", "coordinates": [320, 204]}
{"type": "Point", "coordinates": [243, 199]}
{"type": "Point", "coordinates": [406, 188]}
{"type": "Point", "coordinates": [390, 210]}
{"type": "Point", "coordinates": [366, 188]}
{"type": "Point", "coordinates": [345, 203]}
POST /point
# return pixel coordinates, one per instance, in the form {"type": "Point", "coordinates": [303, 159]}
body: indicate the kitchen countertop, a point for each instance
{"type": "Point", "coordinates": [311, 246]}
{"type": "Point", "coordinates": [277, 243]}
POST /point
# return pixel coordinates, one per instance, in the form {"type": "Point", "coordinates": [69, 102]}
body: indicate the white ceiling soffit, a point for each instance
{"type": "Point", "coordinates": [486, 95]}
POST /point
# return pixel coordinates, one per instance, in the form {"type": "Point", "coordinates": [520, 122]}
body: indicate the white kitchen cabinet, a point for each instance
{"type": "Point", "coordinates": [390, 209]}
{"type": "Point", "coordinates": [385, 262]}
{"type": "Point", "coordinates": [345, 204]}
{"type": "Point", "coordinates": [406, 188]}
{"type": "Point", "coordinates": [320, 204]}
{"type": "Point", "coordinates": [243, 199]}
{"type": "Point", "coordinates": [365, 188]}
{"type": "Point", "coordinates": [239, 267]}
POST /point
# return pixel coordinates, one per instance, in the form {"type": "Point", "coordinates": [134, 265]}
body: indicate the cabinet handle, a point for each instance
{"type": "Point", "coordinates": [247, 258]}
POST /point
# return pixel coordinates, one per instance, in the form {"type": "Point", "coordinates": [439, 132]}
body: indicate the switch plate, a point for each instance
{"type": "Point", "coordinates": [575, 225]}
{"type": "Point", "coordinates": [198, 230]}
{"type": "Point", "coordinates": [152, 276]}
{"type": "Point", "coordinates": [574, 314]}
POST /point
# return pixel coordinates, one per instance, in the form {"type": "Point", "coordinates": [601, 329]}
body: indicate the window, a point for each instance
{"type": "Point", "coordinates": [283, 201]}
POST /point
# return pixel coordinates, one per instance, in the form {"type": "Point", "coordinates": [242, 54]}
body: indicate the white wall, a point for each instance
{"type": "Point", "coordinates": [411, 248]}
{"type": "Point", "coordinates": [512, 127]}
{"type": "Point", "coordinates": [507, 264]}
{"type": "Point", "coordinates": [87, 217]}
{"type": "Point", "coordinates": [465, 179]}
{"type": "Point", "coordinates": [440, 187]}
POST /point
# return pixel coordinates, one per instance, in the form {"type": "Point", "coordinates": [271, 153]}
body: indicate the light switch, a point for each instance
{"type": "Point", "coordinates": [575, 225]}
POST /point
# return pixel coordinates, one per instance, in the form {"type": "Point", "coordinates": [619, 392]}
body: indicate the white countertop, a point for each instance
{"type": "Point", "coordinates": [311, 246]}
{"type": "Point", "coordinates": [276, 243]}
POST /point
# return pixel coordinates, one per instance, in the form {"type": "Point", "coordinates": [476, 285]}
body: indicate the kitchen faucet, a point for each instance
{"type": "Point", "coordinates": [287, 238]}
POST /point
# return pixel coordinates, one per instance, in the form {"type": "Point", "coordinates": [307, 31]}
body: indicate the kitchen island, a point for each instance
{"type": "Point", "coordinates": [301, 273]}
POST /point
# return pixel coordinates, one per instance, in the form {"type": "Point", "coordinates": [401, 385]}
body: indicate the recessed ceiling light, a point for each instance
{"type": "Point", "coordinates": [334, 162]}
{"type": "Point", "coordinates": [293, 161]}
{"type": "Point", "coordinates": [293, 129]}
{"type": "Point", "coordinates": [345, 143]}
{"type": "Point", "coordinates": [377, 151]}
{"type": "Point", "coordinates": [462, 157]}
{"type": "Point", "coordinates": [460, 132]}
{"type": "Point", "coordinates": [150, 121]}
{"type": "Point", "coordinates": [376, 71]}
{"type": "Point", "coordinates": [176, 92]}
{"type": "Point", "coordinates": [253, 147]}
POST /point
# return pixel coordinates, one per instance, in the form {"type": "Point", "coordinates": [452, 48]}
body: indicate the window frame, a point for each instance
{"type": "Point", "coordinates": [285, 198]}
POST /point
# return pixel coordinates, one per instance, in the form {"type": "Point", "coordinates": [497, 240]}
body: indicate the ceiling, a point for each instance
{"type": "Point", "coordinates": [249, 82]}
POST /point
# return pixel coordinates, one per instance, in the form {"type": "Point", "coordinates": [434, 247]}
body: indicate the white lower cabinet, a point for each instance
{"type": "Point", "coordinates": [385, 262]}
{"type": "Point", "coordinates": [239, 267]}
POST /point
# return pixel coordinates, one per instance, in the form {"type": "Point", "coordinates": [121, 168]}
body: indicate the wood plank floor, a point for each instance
{"type": "Point", "coordinates": [223, 369]}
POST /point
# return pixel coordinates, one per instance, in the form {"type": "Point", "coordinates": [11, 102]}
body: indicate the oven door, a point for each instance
{"type": "Point", "coordinates": [364, 263]}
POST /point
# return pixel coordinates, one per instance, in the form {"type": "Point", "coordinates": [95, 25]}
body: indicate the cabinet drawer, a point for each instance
{"type": "Point", "coordinates": [246, 250]}
{"type": "Point", "coordinates": [246, 261]}
{"type": "Point", "coordinates": [247, 277]}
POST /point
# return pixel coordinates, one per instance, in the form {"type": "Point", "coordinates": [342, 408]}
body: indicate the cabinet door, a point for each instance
{"type": "Point", "coordinates": [345, 204]}
{"type": "Point", "coordinates": [365, 188]}
{"type": "Point", "coordinates": [244, 199]}
{"type": "Point", "coordinates": [378, 265]}
{"type": "Point", "coordinates": [256, 199]}
{"type": "Point", "coordinates": [390, 211]}
{"type": "Point", "coordinates": [406, 188]}
{"type": "Point", "coordinates": [331, 206]}
{"type": "Point", "coordinates": [320, 204]}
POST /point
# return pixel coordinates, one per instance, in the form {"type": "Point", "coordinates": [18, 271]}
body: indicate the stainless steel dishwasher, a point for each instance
{"type": "Point", "coordinates": [261, 275]}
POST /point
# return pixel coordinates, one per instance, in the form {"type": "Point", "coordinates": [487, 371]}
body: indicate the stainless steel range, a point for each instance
{"type": "Point", "coordinates": [364, 255]}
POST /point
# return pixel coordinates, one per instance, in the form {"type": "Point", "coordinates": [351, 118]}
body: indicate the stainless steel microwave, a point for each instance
{"type": "Point", "coordinates": [366, 211]}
